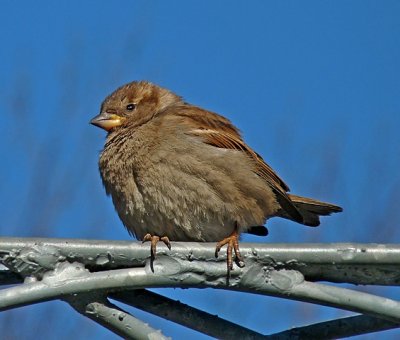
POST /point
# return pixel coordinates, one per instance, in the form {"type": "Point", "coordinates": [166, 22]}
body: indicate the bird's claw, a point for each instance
{"type": "Point", "coordinates": [154, 239]}
{"type": "Point", "coordinates": [232, 242]}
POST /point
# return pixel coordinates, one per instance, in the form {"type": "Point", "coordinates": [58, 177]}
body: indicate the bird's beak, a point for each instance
{"type": "Point", "coordinates": [107, 121]}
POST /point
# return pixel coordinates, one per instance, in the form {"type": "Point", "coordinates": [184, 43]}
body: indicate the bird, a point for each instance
{"type": "Point", "coordinates": [178, 172]}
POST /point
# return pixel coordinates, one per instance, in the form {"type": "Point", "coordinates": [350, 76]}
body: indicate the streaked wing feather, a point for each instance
{"type": "Point", "coordinates": [228, 141]}
{"type": "Point", "coordinates": [218, 131]}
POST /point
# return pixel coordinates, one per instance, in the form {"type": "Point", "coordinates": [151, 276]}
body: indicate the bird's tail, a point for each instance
{"type": "Point", "coordinates": [310, 209]}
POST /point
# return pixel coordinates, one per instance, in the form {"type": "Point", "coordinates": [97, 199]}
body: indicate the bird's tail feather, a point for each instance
{"type": "Point", "coordinates": [311, 209]}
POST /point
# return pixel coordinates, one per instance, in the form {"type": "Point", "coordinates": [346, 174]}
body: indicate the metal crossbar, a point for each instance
{"type": "Point", "coordinates": [86, 273]}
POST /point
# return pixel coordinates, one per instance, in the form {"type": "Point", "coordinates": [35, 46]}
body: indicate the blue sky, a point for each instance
{"type": "Point", "coordinates": [313, 85]}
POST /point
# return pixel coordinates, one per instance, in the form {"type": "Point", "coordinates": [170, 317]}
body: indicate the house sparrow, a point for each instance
{"type": "Point", "coordinates": [178, 172]}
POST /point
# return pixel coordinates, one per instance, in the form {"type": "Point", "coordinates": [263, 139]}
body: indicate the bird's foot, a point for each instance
{"type": "Point", "coordinates": [232, 242]}
{"type": "Point", "coordinates": [154, 239]}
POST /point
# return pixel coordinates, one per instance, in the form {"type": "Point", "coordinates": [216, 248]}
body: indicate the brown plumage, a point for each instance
{"type": "Point", "coordinates": [177, 170]}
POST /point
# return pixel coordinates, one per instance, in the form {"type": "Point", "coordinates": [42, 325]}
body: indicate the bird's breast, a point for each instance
{"type": "Point", "coordinates": [190, 189]}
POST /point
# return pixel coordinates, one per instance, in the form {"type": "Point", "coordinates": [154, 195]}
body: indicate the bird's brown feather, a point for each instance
{"type": "Point", "coordinates": [216, 130]}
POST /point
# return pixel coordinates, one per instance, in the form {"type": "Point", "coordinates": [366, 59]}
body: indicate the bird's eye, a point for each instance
{"type": "Point", "coordinates": [130, 107]}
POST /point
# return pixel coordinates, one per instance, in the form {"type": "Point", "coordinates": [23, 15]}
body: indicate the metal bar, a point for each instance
{"type": "Point", "coordinates": [336, 329]}
{"type": "Point", "coordinates": [291, 284]}
{"type": "Point", "coordinates": [73, 278]}
{"type": "Point", "coordinates": [185, 315]}
{"type": "Point", "coordinates": [282, 270]}
{"type": "Point", "coordinates": [108, 315]}
{"type": "Point", "coordinates": [342, 262]}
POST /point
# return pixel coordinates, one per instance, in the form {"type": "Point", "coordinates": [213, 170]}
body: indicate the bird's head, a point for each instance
{"type": "Point", "coordinates": [135, 104]}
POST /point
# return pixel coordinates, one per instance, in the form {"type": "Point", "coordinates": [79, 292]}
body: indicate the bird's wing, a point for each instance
{"type": "Point", "coordinates": [218, 131]}
{"type": "Point", "coordinates": [226, 140]}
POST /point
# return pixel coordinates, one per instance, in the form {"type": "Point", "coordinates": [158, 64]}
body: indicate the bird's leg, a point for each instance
{"type": "Point", "coordinates": [232, 242]}
{"type": "Point", "coordinates": [154, 239]}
